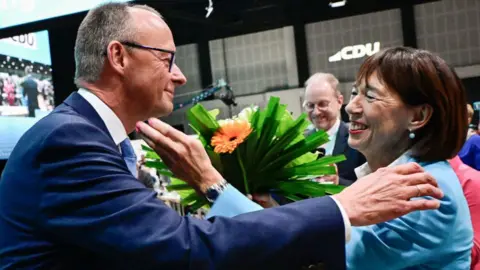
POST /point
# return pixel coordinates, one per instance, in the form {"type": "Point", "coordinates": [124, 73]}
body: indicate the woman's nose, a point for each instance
{"type": "Point", "coordinates": [354, 106]}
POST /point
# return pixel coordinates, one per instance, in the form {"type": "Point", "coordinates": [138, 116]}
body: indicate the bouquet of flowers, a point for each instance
{"type": "Point", "coordinates": [258, 152]}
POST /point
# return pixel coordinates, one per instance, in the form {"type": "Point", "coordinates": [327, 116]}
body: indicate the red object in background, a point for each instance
{"type": "Point", "coordinates": [9, 89]}
{"type": "Point", "coordinates": [470, 181]}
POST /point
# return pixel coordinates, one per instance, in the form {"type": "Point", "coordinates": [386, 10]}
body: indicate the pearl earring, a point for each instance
{"type": "Point", "coordinates": [411, 135]}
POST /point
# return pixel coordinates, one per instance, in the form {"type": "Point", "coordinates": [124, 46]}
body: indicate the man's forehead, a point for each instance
{"type": "Point", "coordinates": [152, 29]}
{"type": "Point", "coordinates": [319, 89]}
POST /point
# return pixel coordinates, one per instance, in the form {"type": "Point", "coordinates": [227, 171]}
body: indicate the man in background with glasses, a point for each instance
{"type": "Point", "coordinates": [323, 103]}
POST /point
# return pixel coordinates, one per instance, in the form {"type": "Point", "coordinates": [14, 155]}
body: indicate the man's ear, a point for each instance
{"type": "Point", "coordinates": [420, 116]}
{"type": "Point", "coordinates": [340, 99]}
{"type": "Point", "coordinates": [116, 56]}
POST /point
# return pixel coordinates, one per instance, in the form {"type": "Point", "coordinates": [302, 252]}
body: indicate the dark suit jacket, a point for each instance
{"type": "Point", "coordinates": [30, 90]}
{"type": "Point", "coordinates": [68, 201]}
{"type": "Point", "coordinates": [354, 159]}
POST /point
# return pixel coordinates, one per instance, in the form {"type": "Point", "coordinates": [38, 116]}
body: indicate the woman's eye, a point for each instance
{"type": "Point", "coordinates": [370, 95]}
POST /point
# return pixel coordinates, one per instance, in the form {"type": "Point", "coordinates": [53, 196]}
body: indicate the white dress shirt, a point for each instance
{"type": "Point", "coordinates": [332, 135]}
{"type": "Point", "coordinates": [111, 120]}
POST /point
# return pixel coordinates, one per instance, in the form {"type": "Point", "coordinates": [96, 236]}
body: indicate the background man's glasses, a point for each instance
{"type": "Point", "coordinates": [309, 107]}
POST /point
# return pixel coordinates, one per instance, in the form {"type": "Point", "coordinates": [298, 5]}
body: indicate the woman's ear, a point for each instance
{"type": "Point", "coordinates": [420, 116]}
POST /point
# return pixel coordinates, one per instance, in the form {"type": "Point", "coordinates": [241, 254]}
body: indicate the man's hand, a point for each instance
{"type": "Point", "coordinates": [265, 200]}
{"type": "Point", "coordinates": [386, 193]}
{"type": "Point", "coordinates": [184, 155]}
{"type": "Point", "coordinates": [334, 179]}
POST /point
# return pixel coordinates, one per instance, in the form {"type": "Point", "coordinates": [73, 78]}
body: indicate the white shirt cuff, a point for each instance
{"type": "Point", "coordinates": [346, 220]}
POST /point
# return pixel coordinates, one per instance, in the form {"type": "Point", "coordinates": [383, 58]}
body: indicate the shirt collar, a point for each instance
{"type": "Point", "coordinates": [111, 120]}
{"type": "Point", "coordinates": [365, 169]}
{"type": "Point", "coordinates": [332, 132]}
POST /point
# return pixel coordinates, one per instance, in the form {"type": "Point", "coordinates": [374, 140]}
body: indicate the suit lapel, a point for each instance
{"type": "Point", "coordinates": [80, 105]}
{"type": "Point", "coordinates": [341, 140]}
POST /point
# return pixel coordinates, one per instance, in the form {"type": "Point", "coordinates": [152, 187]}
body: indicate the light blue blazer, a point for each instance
{"type": "Point", "coordinates": [432, 239]}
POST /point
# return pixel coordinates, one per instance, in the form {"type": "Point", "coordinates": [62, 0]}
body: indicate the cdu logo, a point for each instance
{"type": "Point", "coordinates": [355, 51]}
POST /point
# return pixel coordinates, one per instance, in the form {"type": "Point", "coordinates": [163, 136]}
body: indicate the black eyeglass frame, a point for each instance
{"type": "Point", "coordinates": [143, 47]}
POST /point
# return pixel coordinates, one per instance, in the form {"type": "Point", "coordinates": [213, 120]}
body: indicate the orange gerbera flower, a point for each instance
{"type": "Point", "coordinates": [230, 135]}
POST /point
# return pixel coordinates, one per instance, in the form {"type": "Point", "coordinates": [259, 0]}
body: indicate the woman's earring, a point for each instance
{"type": "Point", "coordinates": [411, 135]}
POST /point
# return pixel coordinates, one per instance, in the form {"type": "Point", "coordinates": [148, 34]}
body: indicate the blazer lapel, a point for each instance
{"type": "Point", "coordinates": [80, 105]}
{"type": "Point", "coordinates": [341, 140]}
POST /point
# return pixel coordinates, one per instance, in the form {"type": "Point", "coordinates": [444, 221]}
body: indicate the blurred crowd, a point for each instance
{"type": "Point", "coordinates": [14, 91]}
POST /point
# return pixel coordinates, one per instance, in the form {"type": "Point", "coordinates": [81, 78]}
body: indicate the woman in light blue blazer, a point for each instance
{"type": "Point", "coordinates": [409, 105]}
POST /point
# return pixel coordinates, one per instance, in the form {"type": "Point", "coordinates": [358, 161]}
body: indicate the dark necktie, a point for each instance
{"type": "Point", "coordinates": [129, 156]}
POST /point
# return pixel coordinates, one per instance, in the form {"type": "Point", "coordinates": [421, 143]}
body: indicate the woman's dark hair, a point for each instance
{"type": "Point", "coordinates": [420, 77]}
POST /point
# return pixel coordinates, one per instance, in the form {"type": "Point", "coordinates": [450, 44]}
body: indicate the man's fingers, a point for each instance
{"type": "Point", "coordinates": [422, 205]}
{"type": "Point", "coordinates": [167, 130]}
{"type": "Point", "coordinates": [419, 178]}
{"type": "Point", "coordinates": [424, 190]}
{"type": "Point", "coordinates": [164, 155]}
{"type": "Point", "coordinates": [408, 168]}
{"type": "Point", "coordinates": [155, 136]}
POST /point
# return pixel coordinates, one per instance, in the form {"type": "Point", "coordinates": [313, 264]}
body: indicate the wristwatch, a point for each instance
{"type": "Point", "coordinates": [215, 190]}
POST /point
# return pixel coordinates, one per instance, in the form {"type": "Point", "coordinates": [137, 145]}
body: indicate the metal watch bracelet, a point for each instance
{"type": "Point", "coordinates": [215, 190]}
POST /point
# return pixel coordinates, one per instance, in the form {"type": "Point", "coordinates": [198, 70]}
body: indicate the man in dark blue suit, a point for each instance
{"type": "Point", "coordinates": [69, 198]}
{"type": "Point", "coordinates": [323, 102]}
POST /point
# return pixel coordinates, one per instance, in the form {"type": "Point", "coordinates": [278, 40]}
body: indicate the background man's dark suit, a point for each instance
{"type": "Point", "coordinates": [69, 201]}
{"type": "Point", "coordinates": [346, 169]}
{"type": "Point", "coordinates": [30, 89]}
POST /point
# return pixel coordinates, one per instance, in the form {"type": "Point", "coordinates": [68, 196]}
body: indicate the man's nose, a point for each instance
{"type": "Point", "coordinates": [178, 77]}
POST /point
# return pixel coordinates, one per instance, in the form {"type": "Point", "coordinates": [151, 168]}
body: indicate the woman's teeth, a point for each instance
{"type": "Point", "coordinates": [357, 126]}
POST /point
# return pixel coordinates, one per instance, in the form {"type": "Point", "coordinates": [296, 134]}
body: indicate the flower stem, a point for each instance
{"type": "Point", "coordinates": [244, 174]}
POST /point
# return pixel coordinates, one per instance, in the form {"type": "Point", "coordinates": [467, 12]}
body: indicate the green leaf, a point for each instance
{"type": "Point", "coordinates": [293, 197]}
{"type": "Point", "coordinates": [314, 168]}
{"type": "Point", "coordinates": [152, 155]}
{"type": "Point", "coordinates": [199, 203]}
{"type": "Point", "coordinates": [214, 113]}
{"type": "Point", "coordinates": [332, 189]}
{"type": "Point", "coordinates": [303, 187]}
{"type": "Point", "coordinates": [200, 137]}
{"type": "Point", "coordinates": [305, 158]}
{"type": "Point", "coordinates": [146, 148]}
{"type": "Point", "coordinates": [192, 198]}
{"type": "Point", "coordinates": [294, 131]}
{"type": "Point", "coordinates": [165, 172]}
{"type": "Point", "coordinates": [273, 115]}
{"type": "Point", "coordinates": [297, 150]}
{"type": "Point", "coordinates": [179, 187]}
{"type": "Point", "coordinates": [159, 165]}
{"type": "Point", "coordinates": [286, 122]}
{"type": "Point", "coordinates": [215, 159]}
{"type": "Point", "coordinates": [202, 121]}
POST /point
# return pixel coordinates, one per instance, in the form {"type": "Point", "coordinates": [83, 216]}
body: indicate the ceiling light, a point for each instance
{"type": "Point", "coordinates": [337, 4]}
{"type": "Point", "coordinates": [209, 9]}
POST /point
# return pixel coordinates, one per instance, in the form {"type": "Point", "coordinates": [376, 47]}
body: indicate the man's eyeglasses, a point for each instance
{"type": "Point", "coordinates": [138, 46]}
{"type": "Point", "coordinates": [309, 107]}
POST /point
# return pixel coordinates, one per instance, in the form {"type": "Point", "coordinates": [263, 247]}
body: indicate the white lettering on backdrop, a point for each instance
{"type": "Point", "coordinates": [355, 51]}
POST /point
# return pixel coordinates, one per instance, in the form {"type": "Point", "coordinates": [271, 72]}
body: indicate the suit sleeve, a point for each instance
{"type": "Point", "coordinates": [90, 200]}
